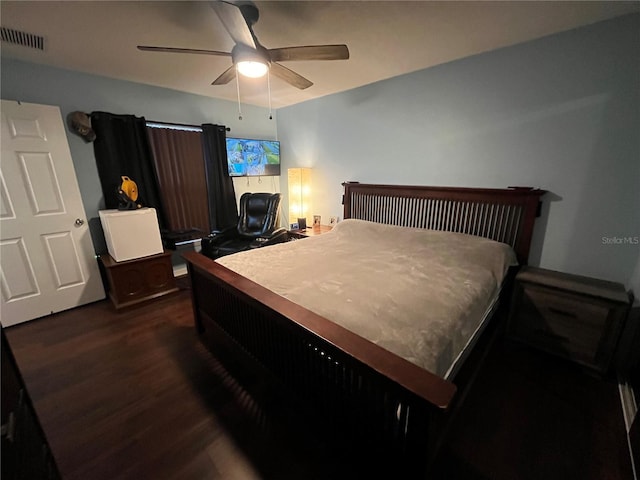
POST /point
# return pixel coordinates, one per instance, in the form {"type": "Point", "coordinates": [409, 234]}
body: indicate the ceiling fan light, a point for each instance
{"type": "Point", "coordinates": [252, 69]}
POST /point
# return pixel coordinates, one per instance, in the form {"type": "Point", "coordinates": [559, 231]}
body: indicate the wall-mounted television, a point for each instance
{"type": "Point", "coordinates": [252, 158]}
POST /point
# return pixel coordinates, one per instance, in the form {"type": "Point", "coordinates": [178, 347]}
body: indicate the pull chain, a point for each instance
{"type": "Point", "coordinates": [269, 88]}
{"type": "Point", "coordinates": [238, 89]}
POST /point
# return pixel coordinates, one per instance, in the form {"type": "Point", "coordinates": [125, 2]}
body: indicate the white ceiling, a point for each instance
{"type": "Point", "coordinates": [385, 38]}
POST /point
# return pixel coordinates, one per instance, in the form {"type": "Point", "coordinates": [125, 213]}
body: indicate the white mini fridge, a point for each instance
{"type": "Point", "coordinates": [131, 234]}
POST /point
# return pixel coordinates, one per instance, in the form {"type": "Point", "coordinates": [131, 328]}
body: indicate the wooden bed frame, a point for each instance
{"type": "Point", "coordinates": [362, 392]}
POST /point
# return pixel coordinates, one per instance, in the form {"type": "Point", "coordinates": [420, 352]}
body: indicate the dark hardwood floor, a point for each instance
{"type": "Point", "coordinates": [137, 395]}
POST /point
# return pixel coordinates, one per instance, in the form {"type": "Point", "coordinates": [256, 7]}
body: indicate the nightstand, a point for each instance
{"type": "Point", "coordinates": [309, 232]}
{"type": "Point", "coordinates": [578, 318]}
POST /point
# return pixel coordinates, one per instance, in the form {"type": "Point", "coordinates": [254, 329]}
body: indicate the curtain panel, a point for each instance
{"type": "Point", "coordinates": [223, 210]}
{"type": "Point", "coordinates": [179, 162]}
{"type": "Point", "coordinates": [121, 149]}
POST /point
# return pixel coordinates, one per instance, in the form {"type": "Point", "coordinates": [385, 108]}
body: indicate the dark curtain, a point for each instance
{"type": "Point", "coordinates": [223, 210]}
{"type": "Point", "coordinates": [182, 178]}
{"type": "Point", "coordinates": [122, 148]}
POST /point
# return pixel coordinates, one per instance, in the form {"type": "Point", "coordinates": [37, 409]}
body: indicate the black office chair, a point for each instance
{"type": "Point", "coordinates": [256, 227]}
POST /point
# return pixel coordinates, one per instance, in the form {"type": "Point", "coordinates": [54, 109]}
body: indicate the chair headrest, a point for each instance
{"type": "Point", "coordinates": [258, 213]}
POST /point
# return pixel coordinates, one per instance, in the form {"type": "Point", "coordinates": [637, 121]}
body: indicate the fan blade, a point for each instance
{"type": "Point", "coordinates": [311, 52]}
{"type": "Point", "coordinates": [228, 75]}
{"type": "Point", "coordinates": [233, 21]}
{"type": "Point", "coordinates": [290, 76]}
{"type": "Point", "coordinates": [183, 50]}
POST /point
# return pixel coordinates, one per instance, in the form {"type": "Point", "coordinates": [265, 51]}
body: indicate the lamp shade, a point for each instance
{"type": "Point", "coordinates": [299, 193]}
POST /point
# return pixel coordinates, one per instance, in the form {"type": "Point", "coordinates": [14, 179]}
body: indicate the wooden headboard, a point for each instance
{"type": "Point", "coordinates": [505, 215]}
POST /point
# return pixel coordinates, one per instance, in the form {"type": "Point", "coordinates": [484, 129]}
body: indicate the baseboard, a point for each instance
{"type": "Point", "coordinates": [629, 411]}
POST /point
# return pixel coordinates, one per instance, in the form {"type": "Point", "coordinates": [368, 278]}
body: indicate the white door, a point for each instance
{"type": "Point", "coordinates": [47, 258]}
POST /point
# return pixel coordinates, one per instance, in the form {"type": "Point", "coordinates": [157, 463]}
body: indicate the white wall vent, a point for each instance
{"type": "Point", "coordinates": [23, 39]}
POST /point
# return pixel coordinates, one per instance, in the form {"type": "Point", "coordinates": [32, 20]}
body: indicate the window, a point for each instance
{"type": "Point", "coordinates": [179, 162]}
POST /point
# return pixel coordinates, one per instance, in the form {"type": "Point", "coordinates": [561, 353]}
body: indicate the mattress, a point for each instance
{"type": "Point", "coordinates": [421, 294]}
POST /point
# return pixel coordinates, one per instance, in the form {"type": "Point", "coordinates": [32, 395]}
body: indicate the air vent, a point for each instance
{"type": "Point", "coordinates": [23, 39]}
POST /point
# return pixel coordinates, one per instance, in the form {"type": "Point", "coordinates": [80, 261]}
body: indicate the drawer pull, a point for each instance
{"type": "Point", "coordinates": [562, 312]}
{"type": "Point", "coordinates": [548, 334]}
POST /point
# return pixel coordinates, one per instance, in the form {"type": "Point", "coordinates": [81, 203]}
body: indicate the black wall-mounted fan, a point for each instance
{"type": "Point", "coordinates": [238, 20]}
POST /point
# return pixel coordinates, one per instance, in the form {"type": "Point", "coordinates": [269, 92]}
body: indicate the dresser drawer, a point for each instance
{"type": "Point", "coordinates": [565, 323]}
{"type": "Point", "coordinates": [566, 318]}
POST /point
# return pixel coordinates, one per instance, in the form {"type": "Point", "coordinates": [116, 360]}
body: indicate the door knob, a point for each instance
{"type": "Point", "coordinates": [79, 222]}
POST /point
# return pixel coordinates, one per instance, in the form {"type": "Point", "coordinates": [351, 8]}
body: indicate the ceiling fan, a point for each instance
{"type": "Point", "coordinates": [249, 57]}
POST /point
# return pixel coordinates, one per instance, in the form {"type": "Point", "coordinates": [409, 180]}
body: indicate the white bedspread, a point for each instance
{"type": "Point", "coordinates": [418, 293]}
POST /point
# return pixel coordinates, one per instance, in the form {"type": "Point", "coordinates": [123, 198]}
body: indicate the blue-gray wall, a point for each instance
{"type": "Point", "coordinates": [73, 91]}
{"type": "Point", "coordinates": [561, 113]}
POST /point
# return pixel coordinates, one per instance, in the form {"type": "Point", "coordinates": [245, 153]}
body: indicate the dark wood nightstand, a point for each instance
{"type": "Point", "coordinates": [309, 232]}
{"type": "Point", "coordinates": [576, 317]}
{"type": "Point", "coordinates": [135, 281]}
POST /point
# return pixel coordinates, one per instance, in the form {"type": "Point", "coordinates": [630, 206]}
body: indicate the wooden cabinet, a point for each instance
{"type": "Point", "coordinates": [136, 281]}
{"type": "Point", "coordinates": [576, 317]}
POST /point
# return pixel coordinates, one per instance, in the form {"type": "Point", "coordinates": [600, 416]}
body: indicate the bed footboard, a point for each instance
{"type": "Point", "coordinates": [361, 390]}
